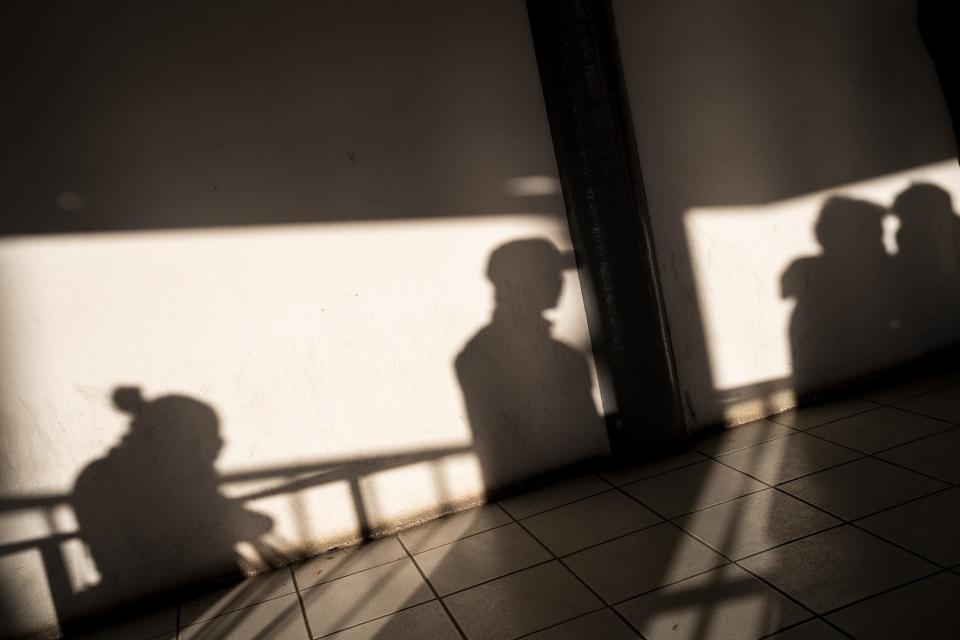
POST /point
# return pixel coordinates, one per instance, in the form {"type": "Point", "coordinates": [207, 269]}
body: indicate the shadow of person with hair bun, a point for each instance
{"type": "Point", "coordinates": [152, 505]}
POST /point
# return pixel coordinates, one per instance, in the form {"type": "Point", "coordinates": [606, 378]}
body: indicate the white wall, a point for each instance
{"type": "Point", "coordinates": [749, 117]}
{"type": "Point", "coordinates": [283, 212]}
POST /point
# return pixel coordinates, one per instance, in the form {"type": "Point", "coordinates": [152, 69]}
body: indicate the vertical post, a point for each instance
{"type": "Point", "coordinates": [590, 122]}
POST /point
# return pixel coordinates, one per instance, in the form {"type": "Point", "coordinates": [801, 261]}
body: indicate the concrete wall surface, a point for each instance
{"type": "Point", "coordinates": [273, 276]}
{"type": "Point", "coordinates": [802, 181]}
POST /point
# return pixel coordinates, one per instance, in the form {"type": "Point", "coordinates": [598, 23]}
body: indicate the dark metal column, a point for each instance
{"type": "Point", "coordinates": [592, 132]}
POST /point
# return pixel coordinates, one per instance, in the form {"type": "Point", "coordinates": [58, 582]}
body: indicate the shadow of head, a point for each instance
{"type": "Point", "coordinates": [926, 215]}
{"type": "Point", "coordinates": [847, 226]}
{"type": "Point", "coordinates": [174, 424]}
{"type": "Point", "coordinates": [528, 274]}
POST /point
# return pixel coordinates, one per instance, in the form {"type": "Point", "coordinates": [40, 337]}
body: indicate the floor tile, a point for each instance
{"type": "Point", "coordinates": [813, 630]}
{"type": "Point", "coordinates": [924, 609]}
{"type": "Point", "coordinates": [603, 624]}
{"type": "Point", "coordinates": [242, 594]}
{"type": "Point", "coordinates": [642, 561]}
{"type": "Point", "coordinates": [935, 456]}
{"type": "Point", "coordinates": [589, 521]}
{"type": "Point", "coordinates": [930, 526]}
{"type": "Point", "coordinates": [813, 416]}
{"type": "Point", "coordinates": [277, 619]}
{"type": "Point", "coordinates": [755, 523]}
{"type": "Point", "coordinates": [861, 487]}
{"type": "Point", "coordinates": [694, 487]}
{"type": "Point", "coordinates": [854, 564]}
{"type": "Point", "coordinates": [363, 596]}
{"type": "Point", "coordinates": [554, 495]}
{"type": "Point", "coordinates": [881, 429]}
{"type": "Point", "coordinates": [453, 527]}
{"type": "Point", "coordinates": [788, 458]}
{"type": "Point", "coordinates": [482, 557]}
{"type": "Point", "coordinates": [724, 603]}
{"type": "Point", "coordinates": [342, 562]}
{"type": "Point", "coordinates": [897, 391]}
{"type": "Point", "coordinates": [521, 603]}
{"type": "Point", "coordinates": [423, 622]}
{"type": "Point", "coordinates": [742, 436]}
{"type": "Point", "coordinates": [154, 625]}
{"type": "Point", "coordinates": [943, 404]}
{"type": "Point", "coordinates": [625, 474]}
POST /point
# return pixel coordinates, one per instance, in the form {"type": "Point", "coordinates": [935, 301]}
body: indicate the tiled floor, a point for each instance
{"type": "Point", "coordinates": [841, 520]}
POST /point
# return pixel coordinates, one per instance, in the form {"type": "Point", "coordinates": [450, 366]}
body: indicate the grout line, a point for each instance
{"type": "Point", "coordinates": [489, 580]}
{"type": "Point", "coordinates": [709, 506]}
{"type": "Point", "coordinates": [874, 456]}
{"type": "Point", "coordinates": [346, 575]}
{"type": "Point", "coordinates": [856, 520]}
{"type": "Point", "coordinates": [499, 503]}
{"type": "Point", "coordinates": [767, 487]}
{"type": "Point", "coordinates": [793, 432]}
{"type": "Point", "coordinates": [777, 484]}
{"type": "Point", "coordinates": [433, 590]}
{"type": "Point", "coordinates": [897, 545]}
{"type": "Point", "coordinates": [876, 405]}
{"type": "Point", "coordinates": [562, 622]}
{"type": "Point", "coordinates": [380, 617]}
{"type": "Point", "coordinates": [772, 635]}
{"type": "Point", "coordinates": [860, 456]}
{"type": "Point", "coordinates": [559, 506]}
{"type": "Point", "coordinates": [594, 545]}
{"type": "Point", "coordinates": [599, 477]}
{"type": "Point", "coordinates": [851, 522]}
{"type": "Point", "coordinates": [912, 581]}
{"type": "Point", "coordinates": [447, 544]}
{"type": "Point", "coordinates": [776, 546]}
{"type": "Point", "coordinates": [573, 573]}
{"type": "Point", "coordinates": [564, 555]}
{"type": "Point", "coordinates": [914, 412]}
{"type": "Point", "coordinates": [949, 382]}
{"type": "Point", "coordinates": [654, 475]}
{"type": "Point", "coordinates": [303, 607]}
{"type": "Point", "coordinates": [949, 427]}
{"type": "Point", "coordinates": [724, 556]}
{"type": "Point", "coordinates": [249, 605]}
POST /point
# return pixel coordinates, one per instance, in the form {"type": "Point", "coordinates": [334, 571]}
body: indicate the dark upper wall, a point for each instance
{"type": "Point", "coordinates": [186, 114]}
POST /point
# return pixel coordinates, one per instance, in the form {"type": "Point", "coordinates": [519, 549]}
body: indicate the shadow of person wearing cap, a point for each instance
{"type": "Point", "coordinates": [152, 506]}
{"type": "Point", "coordinates": [527, 395]}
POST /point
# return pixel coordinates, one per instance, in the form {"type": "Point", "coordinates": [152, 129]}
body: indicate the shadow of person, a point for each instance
{"type": "Point", "coordinates": [927, 264]}
{"type": "Point", "coordinates": [841, 311]}
{"type": "Point", "coordinates": [152, 505]}
{"type": "Point", "coordinates": [527, 395]}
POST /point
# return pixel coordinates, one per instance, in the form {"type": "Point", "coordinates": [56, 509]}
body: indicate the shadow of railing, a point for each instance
{"type": "Point", "coordinates": [53, 546]}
